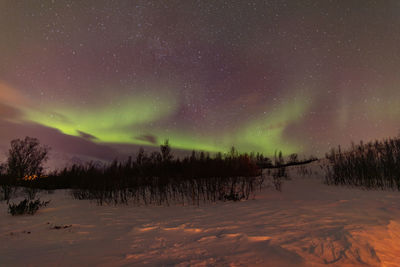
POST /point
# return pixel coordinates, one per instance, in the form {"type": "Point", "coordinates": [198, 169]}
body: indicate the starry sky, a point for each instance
{"type": "Point", "coordinates": [99, 78]}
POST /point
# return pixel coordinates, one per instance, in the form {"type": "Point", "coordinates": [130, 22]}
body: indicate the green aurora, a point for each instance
{"type": "Point", "coordinates": [124, 122]}
{"type": "Point", "coordinates": [97, 79]}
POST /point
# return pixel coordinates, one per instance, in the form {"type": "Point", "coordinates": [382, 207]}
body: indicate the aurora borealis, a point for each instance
{"type": "Point", "coordinates": [100, 78]}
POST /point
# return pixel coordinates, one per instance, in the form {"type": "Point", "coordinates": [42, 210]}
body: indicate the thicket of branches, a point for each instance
{"type": "Point", "coordinates": [26, 157]}
{"type": "Point", "coordinates": [371, 165]}
{"type": "Point", "coordinates": [156, 178]}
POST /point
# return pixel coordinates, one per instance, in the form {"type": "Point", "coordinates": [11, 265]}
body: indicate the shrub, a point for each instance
{"type": "Point", "coordinates": [6, 191]}
{"type": "Point", "coordinates": [233, 197]}
{"type": "Point", "coordinates": [372, 165]}
{"type": "Point", "coordinates": [26, 207]}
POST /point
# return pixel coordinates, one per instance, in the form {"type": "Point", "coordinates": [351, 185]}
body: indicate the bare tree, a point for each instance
{"type": "Point", "coordinates": [2, 169]}
{"type": "Point", "coordinates": [141, 156]}
{"type": "Point", "coordinates": [293, 158]}
{"type": "Point", "coordinates": [26, 157]}
{"type": "Point", "coordinates": [166, 153]}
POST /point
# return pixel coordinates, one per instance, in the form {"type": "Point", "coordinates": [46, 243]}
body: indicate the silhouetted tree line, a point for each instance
{"type": "Point", "coordinates": [371, 165]}
{"type": "Point", "coordinates": [157, 178]}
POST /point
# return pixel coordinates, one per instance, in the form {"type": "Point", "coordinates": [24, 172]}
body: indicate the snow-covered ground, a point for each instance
{"type": "Point", "coordinates": [307, 224]}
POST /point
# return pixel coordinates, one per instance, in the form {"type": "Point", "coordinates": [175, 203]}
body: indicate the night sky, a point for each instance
{"type": "Point", "coordinates": [98, 79]}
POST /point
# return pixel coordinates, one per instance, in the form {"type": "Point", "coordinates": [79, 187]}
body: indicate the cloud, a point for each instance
{"type": "Point", "coordinates": [11, 96]}
{"type": "Point", "coordinates": [148, 138]}
{"type": "Point", "coordinates": [86, 136]}
{"type": "Point", "coordinates": [9, 113]}
{"type": "Point", "coordinates": [59, 142]}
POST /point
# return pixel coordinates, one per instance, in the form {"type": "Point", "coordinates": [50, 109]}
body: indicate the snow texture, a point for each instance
{"type": "Point", "coordinates": [307, 224]}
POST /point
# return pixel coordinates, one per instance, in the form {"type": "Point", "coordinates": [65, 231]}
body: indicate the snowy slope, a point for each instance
{"type": "Point", "coordinates": [307, 224]}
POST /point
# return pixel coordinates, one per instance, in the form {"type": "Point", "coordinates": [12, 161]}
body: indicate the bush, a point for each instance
{"type": "Point", "coordinates": [6, 191]}
{"type": "Point", "coordinates": [31, 192]}
{"type": "Point", "coordinates": [26, 207]}
{"type": "Point", "coordinates": [233, 197]}
{"type": "Point", "coordinates": [372, 165]}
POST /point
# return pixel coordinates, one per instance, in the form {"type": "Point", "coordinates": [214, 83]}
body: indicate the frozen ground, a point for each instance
{"type": "Point", "coordinates": [307, 224]}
